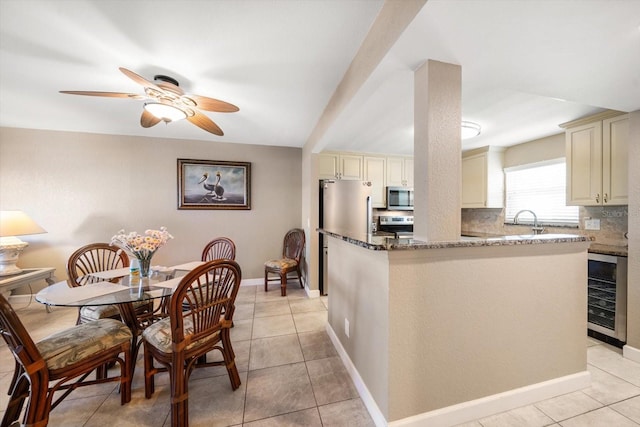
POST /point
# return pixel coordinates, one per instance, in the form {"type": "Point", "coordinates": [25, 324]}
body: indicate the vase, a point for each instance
{"type": "Point", "coordinates": [145, 267]}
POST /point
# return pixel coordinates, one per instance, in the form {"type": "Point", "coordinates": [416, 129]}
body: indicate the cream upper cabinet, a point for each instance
{"type": "Point", "coordinates": [615, 160]}
{"type": "Point", "coordinates": [400, 171]}
{"type": "Point", "coordinates": [375, 169]}
{"type": "Point", "coordinates": [597, 162]}
{"type": "Point", "coordinates": [340, 166]}
{"type": "Point", "coordinates": [483, 178]}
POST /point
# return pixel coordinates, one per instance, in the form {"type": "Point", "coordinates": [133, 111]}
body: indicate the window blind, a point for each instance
{"type": "Point", "coordinates": [540, 187]}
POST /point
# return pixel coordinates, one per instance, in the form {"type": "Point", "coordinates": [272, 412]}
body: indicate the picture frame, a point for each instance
{"type": "Point", "coordinates": [214, 184]}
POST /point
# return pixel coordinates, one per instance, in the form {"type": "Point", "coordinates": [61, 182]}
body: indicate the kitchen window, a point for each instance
{"type": "Point", "coordinates": [540, 187]}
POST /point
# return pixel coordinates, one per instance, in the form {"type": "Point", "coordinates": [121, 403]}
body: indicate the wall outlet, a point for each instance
{"type": "Point", "coordinates": [346, 327]}
{"type": "Point", "coordinates": [592, 224]}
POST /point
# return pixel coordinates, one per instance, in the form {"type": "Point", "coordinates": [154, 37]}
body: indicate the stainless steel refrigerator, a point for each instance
{"type": "Point", "coordinates": [345, 208]}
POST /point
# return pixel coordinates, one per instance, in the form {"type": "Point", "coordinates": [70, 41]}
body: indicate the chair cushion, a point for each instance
{"type": "Point", "coordinates": [95, 312]}
{"type": "Point", "coordinates": [81, 342]}
{"type": "Point", "coordinates": [281, 264]}
{"type": "Point", "coordinates": [158, 335]}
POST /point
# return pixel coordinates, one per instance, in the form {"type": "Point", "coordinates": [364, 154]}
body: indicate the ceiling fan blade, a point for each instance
{"type": "Point", "coordinates": [139, 79]}
{"type": "Point", "coordinates": [211, 104]}
{"type": "Point", "coordinates": [147, 119]}
{"type": "Point", "coordinates": [107, 94]}
{"type": "Point", "coordinates": [205, 123]}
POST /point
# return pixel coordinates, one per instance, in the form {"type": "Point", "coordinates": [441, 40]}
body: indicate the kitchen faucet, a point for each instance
{"type": "Point", "coordinates": [536, 229]}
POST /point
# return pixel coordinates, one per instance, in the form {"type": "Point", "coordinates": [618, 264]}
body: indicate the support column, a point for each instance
{"type": "Point", "coordinates": [437, 151]}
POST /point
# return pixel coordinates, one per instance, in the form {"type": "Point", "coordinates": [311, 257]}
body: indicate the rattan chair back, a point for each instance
{"type": "Point", "coordinates": [219, 248]}
{"type": "Point", "coordinates": [94, 258]}
{"type": "Point", "coordinates": [293, 244]}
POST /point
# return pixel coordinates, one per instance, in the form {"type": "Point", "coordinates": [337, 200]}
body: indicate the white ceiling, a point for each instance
{"type": "Point", "coordinates": [526, 65]}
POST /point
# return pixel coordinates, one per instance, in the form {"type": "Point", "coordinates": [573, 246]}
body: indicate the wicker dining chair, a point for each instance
{"type": "Point", "coordinates": [219, 248]}
{"type": "Point", "coordinates": [292, 250]}
{"type": "Point", "coordinates": [93, 258]}
{"type": "Point", "coordinates": [60, 363]}
{"type": "Point", "coordinates": [200, 315]}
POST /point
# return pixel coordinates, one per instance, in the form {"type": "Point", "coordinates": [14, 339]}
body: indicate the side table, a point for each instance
{"type": "Point", "coordinates": [26, 277]}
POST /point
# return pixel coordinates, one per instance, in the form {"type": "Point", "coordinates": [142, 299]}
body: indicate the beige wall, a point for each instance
{"type": "Point", "coordinates": [434, 328]}
{"type": "Point", "coordinates": [83, 188]}
{"type": "Point", "coordinates": [360, 294]}
{"type": "Point", "coordinates": [472, 322]}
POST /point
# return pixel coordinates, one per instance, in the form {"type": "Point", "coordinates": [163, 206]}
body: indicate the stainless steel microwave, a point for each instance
{"type": "Point", "coordinates": [400, 198]}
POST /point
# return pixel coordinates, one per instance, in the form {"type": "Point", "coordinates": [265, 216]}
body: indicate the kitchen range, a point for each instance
{"type": "Point", "coordinates": [400, 226]}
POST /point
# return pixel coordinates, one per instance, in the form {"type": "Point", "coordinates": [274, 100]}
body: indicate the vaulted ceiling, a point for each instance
{"type": "Point", "coordinates": [527, 66]}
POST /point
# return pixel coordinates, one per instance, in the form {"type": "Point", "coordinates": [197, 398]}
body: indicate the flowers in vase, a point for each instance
{"type": "Point", "coordinates": [142, 246]}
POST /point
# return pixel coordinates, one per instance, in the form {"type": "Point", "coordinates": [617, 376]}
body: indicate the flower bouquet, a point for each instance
{"type": "Point", "coordinates": [142, 247]}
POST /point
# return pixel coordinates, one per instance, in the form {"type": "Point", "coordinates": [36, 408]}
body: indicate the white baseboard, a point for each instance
{"type": "Point", "coordinates": [311, 293]}
{"type": "Point", "coordinates": [363, 391]}
{"type": "Point", "coordinates": [466, 411]}
{"type": "Point", "coordinates": [631, 353]}
{"type": "Point", "coordinates": [489, 405]}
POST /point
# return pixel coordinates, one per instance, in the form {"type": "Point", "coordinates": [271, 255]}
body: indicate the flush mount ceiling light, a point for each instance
{"type": "Point", "coordinates": [165, 112]}
{"type": "Point", "coordinates": [470, 129]}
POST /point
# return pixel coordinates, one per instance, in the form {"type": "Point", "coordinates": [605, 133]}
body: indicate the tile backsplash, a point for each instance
{"type": "Point", "coordinates": [613, 223]}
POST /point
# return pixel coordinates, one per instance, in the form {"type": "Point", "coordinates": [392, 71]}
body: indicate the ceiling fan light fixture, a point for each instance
{"type": "Point", "coordinates": [469, 130]}
{"type": "Point", "coordinates": [165, 111]}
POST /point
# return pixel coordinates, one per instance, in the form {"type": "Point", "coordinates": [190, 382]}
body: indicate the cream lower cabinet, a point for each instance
{"type": "Point", "coordinates": [483, 178]}
{"type": "Point", "coordinates": [400, 171]}
{"type": "Point", "coordinates": [375, 169]}
{"type": "Point", "coordinates": [597, 161]}
{"type": "Point", "coordinates": [340, 166]}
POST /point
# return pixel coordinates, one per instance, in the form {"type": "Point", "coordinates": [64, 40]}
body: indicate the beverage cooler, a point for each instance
{"type": "Point", "coordinates": [607, 298]}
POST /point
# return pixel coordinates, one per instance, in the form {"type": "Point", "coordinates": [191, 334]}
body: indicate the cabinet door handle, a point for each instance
{"type": "Point", "coordinates": [598, 198]}
{"type": "Point", "coordinates": [606, 198]}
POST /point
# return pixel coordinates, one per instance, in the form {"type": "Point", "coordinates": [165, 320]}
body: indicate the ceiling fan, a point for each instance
{"type": "Point", "coordinates": [166, 101]}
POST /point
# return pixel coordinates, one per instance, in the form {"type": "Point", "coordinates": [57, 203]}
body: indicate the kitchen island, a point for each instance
{"type": "Point", "coordinates": [439, 333]}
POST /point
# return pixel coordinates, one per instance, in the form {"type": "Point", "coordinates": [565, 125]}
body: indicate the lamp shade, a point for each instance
{"type": "Point", "coordinates": [17, 223]}
{"type": "Point", "coordinates": [165, 111]}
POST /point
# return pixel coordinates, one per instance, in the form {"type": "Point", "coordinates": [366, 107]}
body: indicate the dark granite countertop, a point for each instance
{"type": "Point", "coordinates": [599, 248]}
{"type": "Point", "coordinates": [384, 243]}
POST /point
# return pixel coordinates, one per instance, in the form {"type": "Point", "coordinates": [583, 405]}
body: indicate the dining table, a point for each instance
{"type": "Point", "coordinates": [155, 290]}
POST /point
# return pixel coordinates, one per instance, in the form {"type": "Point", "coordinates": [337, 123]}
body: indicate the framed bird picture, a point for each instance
{"type": "Point", "coordinates": [211, 184]}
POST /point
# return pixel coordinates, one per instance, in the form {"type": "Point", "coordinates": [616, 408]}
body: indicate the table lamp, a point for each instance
{"type": "Point", "coordinates": [12, 224]}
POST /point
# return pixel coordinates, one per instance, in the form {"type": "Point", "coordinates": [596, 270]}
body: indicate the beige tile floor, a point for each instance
{"type": "Point", "coordinates": [292, 376]}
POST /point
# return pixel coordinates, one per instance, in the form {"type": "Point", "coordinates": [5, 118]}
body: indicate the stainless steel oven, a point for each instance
{"type": "Point", "coordinates": [607, 296]}
{"type": "Point", "coordinates": [400, 226]}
